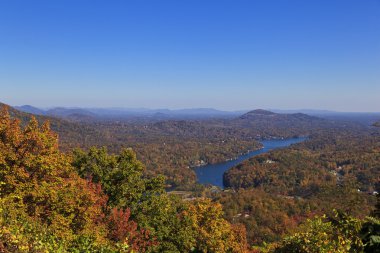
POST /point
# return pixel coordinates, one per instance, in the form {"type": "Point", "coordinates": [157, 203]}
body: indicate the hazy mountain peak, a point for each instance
{"type": "Point", "coordinates": [30, 109]}
{"type": "Point", "coordinates": [260, 112]}
{"type": "Point", "coordinates": [257, 113]}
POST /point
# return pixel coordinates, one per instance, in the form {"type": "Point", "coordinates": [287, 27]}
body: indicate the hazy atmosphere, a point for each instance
{"type": "Point", "coordinates": [228, 55]}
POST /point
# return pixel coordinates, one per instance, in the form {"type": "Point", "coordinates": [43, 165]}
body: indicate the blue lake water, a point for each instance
{"type": "Point", "coordinates": [213, 173]}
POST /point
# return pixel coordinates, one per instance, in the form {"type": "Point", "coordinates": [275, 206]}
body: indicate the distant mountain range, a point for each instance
{"type": "Point", "coordinates": [125, 113]}
{"type": "Point", "coordinates": [89, 114]}
{"type": "Point", "coordinates": [366, 118]}
{"type": "Point", "coordinates": [255, 118]}
{"type": "Point", "coordinates": [80, 127]}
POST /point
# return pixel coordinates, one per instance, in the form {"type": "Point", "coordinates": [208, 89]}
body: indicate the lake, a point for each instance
{"type": "Point", "coordinates": [213, 173]}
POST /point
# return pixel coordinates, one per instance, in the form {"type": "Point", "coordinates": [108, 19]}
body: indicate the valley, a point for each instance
{"type": "Point", "coordinates": [289, 167]}
{"type": "Point", "coordinates": [189, 126]}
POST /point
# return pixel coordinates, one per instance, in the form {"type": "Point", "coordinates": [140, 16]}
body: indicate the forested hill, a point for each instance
{"type": "Point", "coordinates": [260, 114]}
{"type": "Point", "coordinates": [173, 147]}
{"type": "Point", "coordinates": [338, 170]}
{"type": "Point", "coordinates": [266, 124]}
{"type": "Point", "coordinates": [72, 134]}
{"type": "Point", "coordinates": [256, 117]}
{"type": "Point", "coordinates": [170, 153]}
{"type": "Point", "coordinates": [96, 202]}
{"type": "Point", "coordinates": [257, 124]}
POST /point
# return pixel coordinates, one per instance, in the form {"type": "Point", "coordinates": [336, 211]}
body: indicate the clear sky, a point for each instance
{"type": "Point", "coordinates": [191, 53]}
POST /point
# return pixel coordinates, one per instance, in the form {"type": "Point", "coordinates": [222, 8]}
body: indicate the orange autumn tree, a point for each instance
{"type": "Point", "coordinates": [124, 229]}
{"type": "Point", "coordinates": [39, 180]}
{"type": "Point", "coordinates": [45, 205]}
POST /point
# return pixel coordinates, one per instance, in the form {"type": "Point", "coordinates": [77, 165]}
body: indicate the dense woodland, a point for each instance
{"type": "Point", "coordinates": [333, 158]}
{"type": "Point", "coordinates": [315, 196]}
{"type": "Point", "coordinates": [173, 147]}
{"type": "Point", "coordinates": [335, 170]}
{"type": "Point", "coordinates": [96, 202]}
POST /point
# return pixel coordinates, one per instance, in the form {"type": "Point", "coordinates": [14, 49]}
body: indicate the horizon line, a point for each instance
{"type": "Point", "coordinates": [192, 108]}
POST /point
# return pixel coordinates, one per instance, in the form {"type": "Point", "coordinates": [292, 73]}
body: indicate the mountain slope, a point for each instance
{"type": "Point", "coordinates": [69, 112]}
{"type": "Point", "coordinates": [263, 115]}
{"type": "Point", "coordinates": [257, 113]}
{"type": "Point", "coordinates": [71, 134]}
{"type": "Point", "coordinates": [30, 109]}
{"type": "Point", "coordinates": [267, 124]}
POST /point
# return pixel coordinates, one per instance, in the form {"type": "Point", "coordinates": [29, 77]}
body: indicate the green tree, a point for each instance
{"type": "Point", "coordinates": [370, 232]}
{"type": "Point", "coordinates": [323, 235]}
{"type": "Point", "coordinates": [121, 176]}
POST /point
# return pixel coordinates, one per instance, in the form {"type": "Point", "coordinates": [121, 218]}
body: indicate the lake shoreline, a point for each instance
{"type": "Point", "coordinates": [213, 173]}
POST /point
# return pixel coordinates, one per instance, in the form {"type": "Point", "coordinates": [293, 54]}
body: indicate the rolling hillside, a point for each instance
{"type": "Point", "coordinates": [72, 134]}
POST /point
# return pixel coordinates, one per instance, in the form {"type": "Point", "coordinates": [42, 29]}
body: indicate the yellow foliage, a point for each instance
{"type": "Point", "coordinates": [214, 233]}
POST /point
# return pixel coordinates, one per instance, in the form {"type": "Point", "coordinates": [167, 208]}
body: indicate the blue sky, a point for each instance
{"type": "Point", "coordinates": [192, 53]}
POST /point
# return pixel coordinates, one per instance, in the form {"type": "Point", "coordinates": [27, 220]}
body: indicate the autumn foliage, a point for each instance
{"type": "Point", "coordinates": [39, 185]}
{"type": "Point", "coordinates": [95, 202]}
{"type": "Point", "coordinates": [213, 232]}
{"type": "Point", "coordinates": [122, 228]}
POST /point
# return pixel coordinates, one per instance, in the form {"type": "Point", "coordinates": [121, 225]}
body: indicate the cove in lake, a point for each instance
{"type": "Point", "coordinates": [213, 173]}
